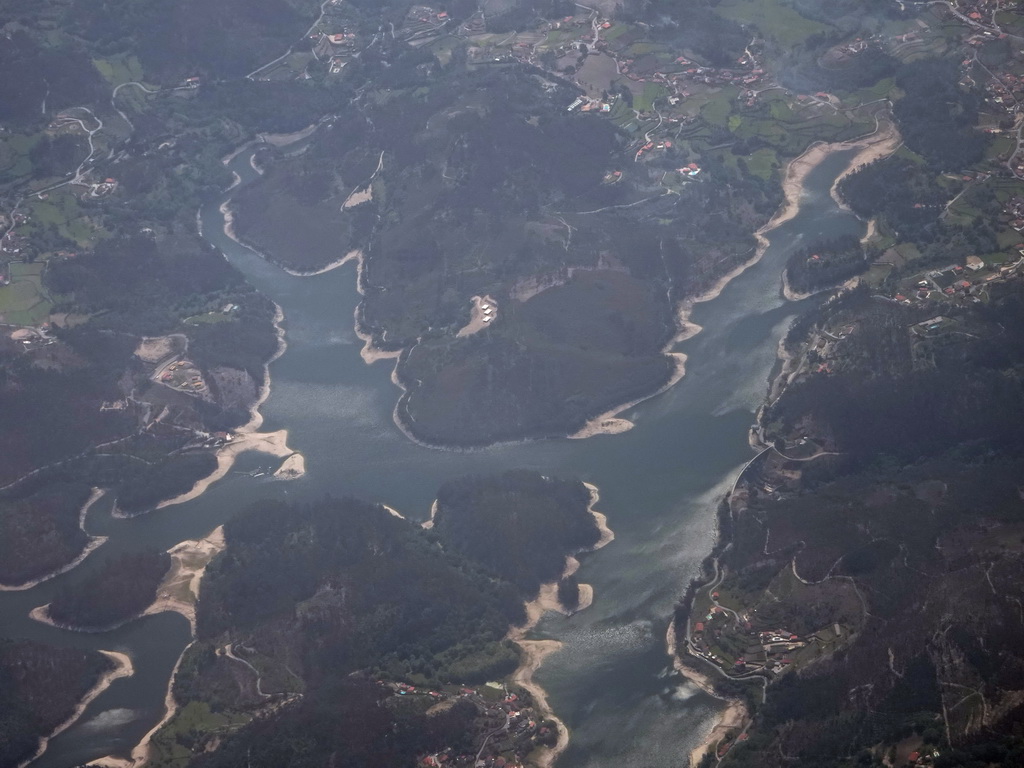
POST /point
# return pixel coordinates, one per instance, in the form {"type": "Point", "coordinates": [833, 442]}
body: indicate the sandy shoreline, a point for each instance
{"type": "Point", "coordinates": [248, 437]}
{"type": "Point", "coordinates": [178, 592]}
{"type": "Point", "coordinates": [792, 186]}
{"type": "Point", "coordinates": [535, 651]}
{"type": "Point", "coordinates": [140, 754]}
{"type": "Point", "coordinates": [735, 714]}
{"type": "Point", "coordinates": [790, 295]}
{"type": "Point", "coordinates": [876, 145]}
{"type": "Point", "coordinates": [370, 352]}
{"type": "Point", "coordinates": [122, 668]}
{"type": "Point", "coordinates": [284, 139]}
{"type": "Point", "coordinates": [94, 543]}
{"type": "Point", "coordinates": [355, 254]}
{"type": "Point", "coordinates": [881, 143]}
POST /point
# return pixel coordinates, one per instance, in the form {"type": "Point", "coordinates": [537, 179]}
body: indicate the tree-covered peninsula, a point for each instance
{"type": "Point", "coordinates": [343, 607]}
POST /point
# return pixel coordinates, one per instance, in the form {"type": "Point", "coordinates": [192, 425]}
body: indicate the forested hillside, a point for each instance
{"type": "Point", "coordinates": [120, 590]}
{"type": "Point", "coordinates": [899, 462]}
{"type": "Point", "coordinates": [321, 600]}
{"type": "Point", "coordinates": [518, 525]}
{"type": "Point", "coordinates": [39, 688]}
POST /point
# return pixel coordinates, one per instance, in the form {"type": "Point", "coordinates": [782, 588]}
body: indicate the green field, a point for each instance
{"type": "Point", "coordinates": [774, 18]}
{"type": "Point", "coordinates": [617, 31]}
{"type": "Point", "coordinates": [14, 160]}
{"type": "Point", "coordinates": [119, 69]}
{"type": "Point", "coordinates": [762, 163]}
{"type": "Point", "coordinates": [717, 109]}
{"type": "Point", "coordinates": [62, 212]}
{"type": "Point", "coordinates": [645, 101]}
{"type": "Point", "coordinates": [877, 91]}
{"type": "Point", "coordinates": [171, 746]}
{"type": "Point", "coordinates": [24, 301]}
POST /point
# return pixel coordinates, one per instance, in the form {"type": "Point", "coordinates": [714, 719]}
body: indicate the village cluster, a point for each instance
{"type": "Point", "coordinates": [509, 727]}
{"type": "Point", "coordinates": [769, 651]}
{"type": "Point", "coordinates": [958, 284]}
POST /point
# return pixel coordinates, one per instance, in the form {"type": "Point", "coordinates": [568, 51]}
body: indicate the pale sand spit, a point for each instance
{"type": "Point", "coordinates": [179, 591]}
{"type": "Point", "coordinates": [535, 651]}
{"type": "Point", "coordinates": [122, 668]}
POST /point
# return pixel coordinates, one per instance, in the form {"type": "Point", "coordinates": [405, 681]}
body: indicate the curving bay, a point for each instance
{"type": "Point", "coordinates": [611, 682]}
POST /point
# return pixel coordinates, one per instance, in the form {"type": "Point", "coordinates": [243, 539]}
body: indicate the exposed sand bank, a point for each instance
{"type": "Point", "coordinates": [881, 143]}
{"type": "Point", "coordinates": [790, 294]}
{"type": "Point", "coordinates": [363, 194]}
{"type": "Point", "coordinates": [610, 423]}
{"type": "Point", "coordinates": [226, 160]}
{"type": "Point", "coordinates": [93, 544]}
{"type": "Point", "coordinates": [284, 139]}
{"type": "Point", "coordinates": [733, 716]}
{"type": "Point", "coordinates": [140, 754]}
{"type": "Point", "coordinates": [393, 512]}
{"type": "Point", "coordinates": [229, 230]}
{"type": "Point", "coordinates": [428, 524]}
{"type": "Point", "coordinates": [291, 468]}
{"type": "Point", "coordinates": [358, 197]}
{"type": "Point", "coordinates": [370, 352]}
{"type": "Point", "coordinates": [350, 256]}
{"type": "Point", "coordinates": [248, 437]}
{"type": "Point", "coordinates": [870, 231]}
{"type": "Point", "coordinates": [607, 534]}
{"type": "Point", "coordinates": [122, 668]}
{"type": "Point", "coordinates": [535, 651]}
{"type": "Point", "coordinates": [179, 591]}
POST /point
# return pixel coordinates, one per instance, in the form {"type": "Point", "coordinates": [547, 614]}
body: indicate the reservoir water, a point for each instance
{"type": "Point", "coordinates": [660, 482]}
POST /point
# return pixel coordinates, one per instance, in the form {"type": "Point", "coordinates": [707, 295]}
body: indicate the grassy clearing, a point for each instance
{"type": "Point", "coordinates": [208, 318]}
{"type": "Point", "coordinates": [171, 745]}
{"type": "Point", "coordinates": [443, 47]}
{"type": "Point", "coordinates": [119, 69]}
{"type": "Point", "coordinates": [718, 108]}
{"type": "Point", "coordinates": [877, 274]}
{"type": "Point", "coordinates": [1004, 189]}
{"type": "Point", "coordinates": [1001, 146]}
{"type": "Point", "coordinates": [616, 32]}
{"type": "Point", "coordinates": [763, 163]}
{"type": "Point", "coordinates": [637, 50]}
{"type": "Point", "coordinates": [879, 90]}
{"type": "Point", "coordinates": [62, 212]}
{"type": "Point", "coordinates": [24, 301]}
{"type": "Point", "coordinates": [14, 161]}
{"type": "Point", "coordinates": [773, 18]}
{"type": "Point", "coordinates": [1008, 238]}
{"type": "Point", "coordinates": [651, 92]}
{"type": "Point", "coordinates": [903, 153]}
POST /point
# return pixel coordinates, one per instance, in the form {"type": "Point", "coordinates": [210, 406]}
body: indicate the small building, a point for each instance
{"type": "Point", "coordinates": [974, 263]}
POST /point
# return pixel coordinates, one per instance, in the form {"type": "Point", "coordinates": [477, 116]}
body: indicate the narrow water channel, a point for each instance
{"type": "Point", "coordinates": [659, 482]}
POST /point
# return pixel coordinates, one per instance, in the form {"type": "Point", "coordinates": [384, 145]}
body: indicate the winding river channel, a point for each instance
{"type": "Point", "coordinates": [612, 682]}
